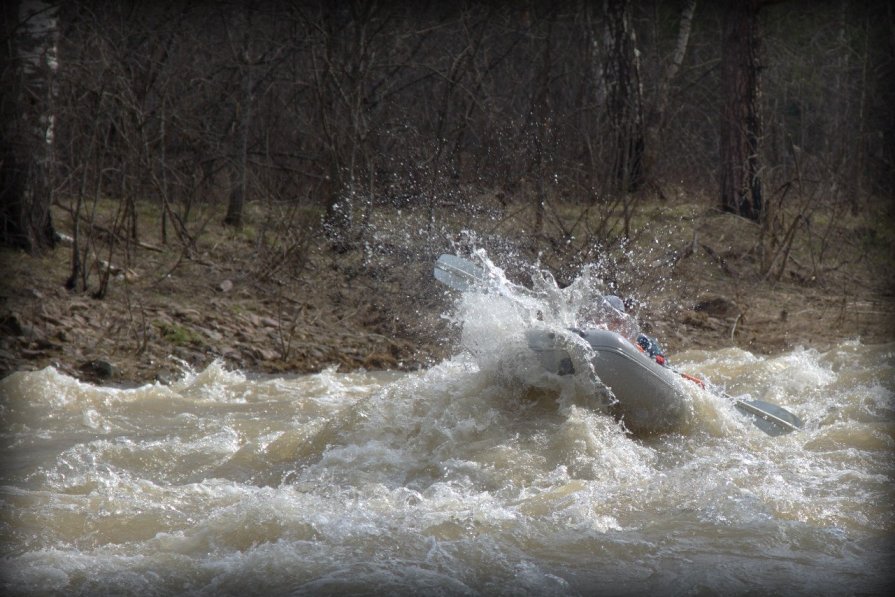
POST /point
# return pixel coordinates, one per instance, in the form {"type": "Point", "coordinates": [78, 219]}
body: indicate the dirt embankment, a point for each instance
{"type": "Point", "coordinates": [151, 325]}
{"type": "Point", "coordinates": [164, 310]}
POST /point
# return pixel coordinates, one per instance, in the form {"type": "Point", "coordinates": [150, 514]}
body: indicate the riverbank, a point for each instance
{"type": "Point", "coordinates": [304, 307]}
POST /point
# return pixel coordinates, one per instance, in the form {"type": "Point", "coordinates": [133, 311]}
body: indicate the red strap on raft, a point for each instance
{"type": "Point", "coordinates": [695, 380]}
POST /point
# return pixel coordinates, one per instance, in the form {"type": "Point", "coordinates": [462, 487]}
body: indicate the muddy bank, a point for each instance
{"type": "Point", "coordinates": [194, 315]}
{"type": "Point", "coordinates": [164, 310]}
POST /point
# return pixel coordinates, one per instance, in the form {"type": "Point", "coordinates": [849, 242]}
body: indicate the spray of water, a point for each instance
{"type": "Point", "coordinates": [480, 475]}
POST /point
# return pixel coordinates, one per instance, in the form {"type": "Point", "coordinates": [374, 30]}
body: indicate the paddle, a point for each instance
{"type": "Point", "coordinates": [460, 274]}
{"type": "Point", "coordinates": [770, 418]}
{"type": "Point", "coordinates": [463, 275]}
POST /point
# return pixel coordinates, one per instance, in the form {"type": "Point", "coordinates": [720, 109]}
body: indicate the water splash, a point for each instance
{"type": "Point", "coordinates": [457, 478]}
{"type": "Point", "coordinates": [482, 474]}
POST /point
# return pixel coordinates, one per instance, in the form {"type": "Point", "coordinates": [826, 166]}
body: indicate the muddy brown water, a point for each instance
{"type": "Point", "coordinates": [468, 478]}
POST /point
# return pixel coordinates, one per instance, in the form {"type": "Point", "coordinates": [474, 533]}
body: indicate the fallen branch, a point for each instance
{"type": "Point", "coordinates": [66, 239]}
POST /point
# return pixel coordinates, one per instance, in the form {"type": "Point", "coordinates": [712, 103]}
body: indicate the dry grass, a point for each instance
{"type": "Point", "coordinates": [274, 297]}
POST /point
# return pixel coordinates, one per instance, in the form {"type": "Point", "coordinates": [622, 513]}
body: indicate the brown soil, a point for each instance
{"type": "Point", "coordinates": [307, 308]}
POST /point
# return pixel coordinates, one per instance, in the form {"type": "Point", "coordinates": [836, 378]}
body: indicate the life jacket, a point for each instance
{"type": "Point", "coordinates": [649, 346]}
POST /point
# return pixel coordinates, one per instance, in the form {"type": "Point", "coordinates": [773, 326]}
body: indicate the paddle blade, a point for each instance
{"type": "Point", "coordinates": [460, 274]}
{"type": "Point", "coordinates": [770, 418]}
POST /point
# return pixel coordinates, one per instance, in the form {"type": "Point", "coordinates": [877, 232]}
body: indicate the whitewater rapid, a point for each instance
{"type": "Point", "coordinates": [478, 476]}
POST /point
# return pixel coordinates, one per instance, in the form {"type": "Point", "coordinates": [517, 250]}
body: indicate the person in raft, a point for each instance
{"type": "Point", "coordinates": [619, 321]}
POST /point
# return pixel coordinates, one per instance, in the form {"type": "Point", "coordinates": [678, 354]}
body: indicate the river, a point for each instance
{"type": "Point", "coordinates": [466, 478]}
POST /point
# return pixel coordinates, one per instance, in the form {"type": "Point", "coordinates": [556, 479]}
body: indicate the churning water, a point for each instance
{"type": "Point", "coordinates": [479, 476]}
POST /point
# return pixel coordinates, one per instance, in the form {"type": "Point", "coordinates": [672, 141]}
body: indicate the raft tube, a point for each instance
{"type": "Point", "coordinates": [648, 397]}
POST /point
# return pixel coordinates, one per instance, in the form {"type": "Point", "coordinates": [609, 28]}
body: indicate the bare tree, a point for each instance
{"type": "Point", "coordinates": [657, 115]}
{"type": "Point", "coordinates": [740, 179]}
{"type": "Point", "coordinates": [244, 56]}
{"type": "Point", "coordinates": [624, 95]}
{"type": "Point", "coordinates": [342, 108]}
{"type": "Point", "coordinates": [28, 125]}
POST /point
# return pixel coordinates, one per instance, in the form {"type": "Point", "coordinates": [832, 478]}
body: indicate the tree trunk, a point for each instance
{"type": "Point", "coordinates": [26, 125]}
{"type": "Point", "coordinates": [740, 116]}
{"type": "Point", "coordinates": [246, 63]}
{"type": "Point", "coordinates": [238, 191]}
{"type": "Point", "coordinates": [541, 113]}
{"type": "Point", "coordinates": [656, 120]}
{"type": "Point", "coordinates": [624, 96]}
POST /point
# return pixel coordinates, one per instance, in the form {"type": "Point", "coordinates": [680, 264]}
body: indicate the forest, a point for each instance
{"type": "Point", "coordinates": [299, 125]}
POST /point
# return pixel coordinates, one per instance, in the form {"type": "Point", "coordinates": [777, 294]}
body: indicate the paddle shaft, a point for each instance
{"type": "Point", "coordinates": [463, 275]}
{"type": "Point", "coordinates": [776, 415]}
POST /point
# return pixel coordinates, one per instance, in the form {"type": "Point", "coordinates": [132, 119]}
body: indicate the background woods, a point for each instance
{"type": "Point", "coordinates": [343, 105]}
{"type": "Point", "coordinates": [145, 123]}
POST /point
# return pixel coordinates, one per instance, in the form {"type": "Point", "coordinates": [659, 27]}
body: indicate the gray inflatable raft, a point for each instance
{"type": "Point", "coordinates": [649, 397]}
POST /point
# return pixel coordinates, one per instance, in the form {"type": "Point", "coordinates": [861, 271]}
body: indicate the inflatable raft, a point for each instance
{"type": "Point", "coordinates": [648, 397]}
